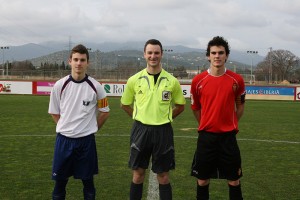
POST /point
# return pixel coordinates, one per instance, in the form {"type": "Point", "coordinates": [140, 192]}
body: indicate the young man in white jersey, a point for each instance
{"type": "Point", "coordinates": [79, 107]}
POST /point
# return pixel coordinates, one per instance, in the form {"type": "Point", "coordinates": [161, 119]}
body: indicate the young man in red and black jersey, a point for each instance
{"type": "Point", "coordinates": [217, 102]}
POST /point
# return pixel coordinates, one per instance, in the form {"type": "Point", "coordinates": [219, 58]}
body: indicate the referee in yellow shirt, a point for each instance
{"type": "Point", "coordinates": [153, 98]}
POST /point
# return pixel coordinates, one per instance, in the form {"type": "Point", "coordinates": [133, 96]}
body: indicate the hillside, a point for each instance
{"type": "Point", "coordinates": [109, 55]}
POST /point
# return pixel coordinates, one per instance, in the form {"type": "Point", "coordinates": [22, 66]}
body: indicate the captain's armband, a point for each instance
{"type": "Point", "coordinates": [102, 103]}
{"type": "Point", "coordinates": [241, 99]}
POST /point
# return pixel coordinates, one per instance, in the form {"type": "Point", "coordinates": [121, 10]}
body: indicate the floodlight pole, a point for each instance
{"type": "Point", "coordinates": [168, 50]}
{"type": "Point", "coordinates": [3, 64]}
{"type": "Point", "coordinates": [270, 68]}
{"type": "Point", "coordinates": [251, 52]}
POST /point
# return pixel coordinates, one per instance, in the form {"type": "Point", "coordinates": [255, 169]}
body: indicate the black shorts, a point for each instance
{"type": "Point", "coordinates": [152, 140]}
{"type": "Point", "coordinates": [217, 156]}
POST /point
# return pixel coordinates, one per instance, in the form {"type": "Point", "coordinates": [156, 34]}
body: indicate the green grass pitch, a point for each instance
{"type": "Point", "coordinates": [269, 140]}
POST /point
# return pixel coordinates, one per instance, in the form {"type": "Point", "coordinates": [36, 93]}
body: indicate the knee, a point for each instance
{"type": "Point", "coordinates": [138, 176]}
{"type": "Point", "coordinates": [203, 182]}
{"type": "Point", "coordinates": [234, 183]}
{"type": "Point", "coordinates": [163, 178]}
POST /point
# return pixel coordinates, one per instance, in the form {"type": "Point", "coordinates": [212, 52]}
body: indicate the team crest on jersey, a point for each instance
{"type": "Point", "coordinates": [86, 103]}
{"type": "Point", "coordinates": [166, 95]}
{"type": "Point", "coordinates": [234, 87]}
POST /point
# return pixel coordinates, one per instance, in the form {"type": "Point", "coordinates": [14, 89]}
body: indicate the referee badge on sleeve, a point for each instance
{"type": "Point", "coordinates": [166, 95]}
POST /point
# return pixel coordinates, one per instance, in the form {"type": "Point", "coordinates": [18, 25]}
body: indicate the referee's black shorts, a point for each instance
{"type": "Point", "coordinates": [152, 140]}
{"type": "Point", "coordinates": [217, 156]}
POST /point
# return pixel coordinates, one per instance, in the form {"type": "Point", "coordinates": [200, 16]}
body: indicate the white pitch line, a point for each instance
{"type": "Point", "coordinates": [153, 193]}
{"type": "Point", "coordinates": [275, 141]}
{"type": "Point", "coordinates": [245, 139]}
{"type": "Point", "coordinates": [178, 136]}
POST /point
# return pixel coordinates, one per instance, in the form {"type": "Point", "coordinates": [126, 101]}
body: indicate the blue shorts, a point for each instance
{"type": "Point", "coordinates": [75, 157]}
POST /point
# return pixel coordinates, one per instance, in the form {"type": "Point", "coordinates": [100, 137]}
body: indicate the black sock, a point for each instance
{"type": "Point", "coordinates": [165, 191]}
{"type": "Point", "coordinates": [89, 191]}
{"type": "Point", "coordinates": [235, 192]}
{"type": "Point", "coordinates": [59, 192]}
{"type": "Point", "coordinates": [202, 192]}
{"type": "Point", "coordinates": [136, 191]}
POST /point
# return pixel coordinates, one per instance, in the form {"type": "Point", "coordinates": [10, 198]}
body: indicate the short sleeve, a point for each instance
{"type": "Point", "coordinates": [54, 103]}
{"type": "Point", "coordinates": [128, 94]}
{"type": "Point", "coordinates": [178, 94]}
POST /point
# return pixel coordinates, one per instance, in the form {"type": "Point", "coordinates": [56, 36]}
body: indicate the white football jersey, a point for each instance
{"type": "Point", "coordinates": [77, 103]}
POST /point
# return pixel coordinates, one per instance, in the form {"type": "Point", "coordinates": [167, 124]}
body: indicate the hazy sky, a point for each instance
{"type": "Point", "coordinates": [246, 24]}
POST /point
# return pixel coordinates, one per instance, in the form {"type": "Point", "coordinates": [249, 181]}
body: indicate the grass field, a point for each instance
{"type": "Point", "coordinates": [269, 140]}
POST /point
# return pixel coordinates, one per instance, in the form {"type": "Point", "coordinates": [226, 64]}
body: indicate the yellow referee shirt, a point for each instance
{"type": "Point", "coordinates": [152, 104]}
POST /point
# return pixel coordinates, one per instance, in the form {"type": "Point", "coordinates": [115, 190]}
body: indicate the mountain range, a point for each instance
{"type": "Point", "coordinates": [32, 51]}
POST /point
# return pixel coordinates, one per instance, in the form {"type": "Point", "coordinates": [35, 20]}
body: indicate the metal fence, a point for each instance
{"type": "Point", "coordinates": [122, 75]}
{"type": "Point", "coordinates": [115, 76]}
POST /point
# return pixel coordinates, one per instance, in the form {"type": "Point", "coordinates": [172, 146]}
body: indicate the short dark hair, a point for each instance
{"type": "Point", "coordinates": [153, 42]}
{"type": "Point", "coordinates": [80, 49]}
{"type": "Point", "coordinates": [218, 41]}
